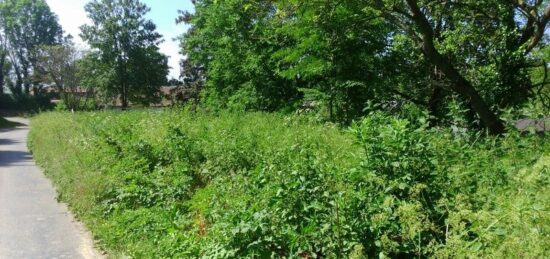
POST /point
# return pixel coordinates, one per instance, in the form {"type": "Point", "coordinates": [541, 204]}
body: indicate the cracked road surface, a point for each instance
{"type": "Point", "coordinates": [32, 223]}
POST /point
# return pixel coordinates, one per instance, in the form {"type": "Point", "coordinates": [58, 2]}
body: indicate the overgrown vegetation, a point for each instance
{"type": "Point", "coordinates": [379, 145]}
{"type": "Point", "coordinates": [233, 185]}
{"type": "Point", "coordinates": [337, 56]}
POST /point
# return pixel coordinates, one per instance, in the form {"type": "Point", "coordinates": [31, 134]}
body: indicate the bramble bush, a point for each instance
{"type": "Point", "coordinates": [175, 184]}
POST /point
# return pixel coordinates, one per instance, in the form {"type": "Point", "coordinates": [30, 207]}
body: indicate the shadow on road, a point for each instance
{"type": "Point", "coordinates": [11, 154]}
{"type": "Point", "coordinates": [8, 141]}
{"type": "Point", "coordinates": [7, 124]}
{"type": "Point", "coordinates": [15, 158]}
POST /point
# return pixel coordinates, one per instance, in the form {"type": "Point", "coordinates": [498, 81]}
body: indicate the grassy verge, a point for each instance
{"type": "Point", "coordinates": [178, 184]}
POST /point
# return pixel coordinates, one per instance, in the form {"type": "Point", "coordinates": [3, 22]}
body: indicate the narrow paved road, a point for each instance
{"type": "Point", "coordinates": [32, 223]}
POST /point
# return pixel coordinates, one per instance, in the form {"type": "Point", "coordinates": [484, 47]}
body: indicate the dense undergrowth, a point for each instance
{"type": "Point", "coordinates": [184, 185]}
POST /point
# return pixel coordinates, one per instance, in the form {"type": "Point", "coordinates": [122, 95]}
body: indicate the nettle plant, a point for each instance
{"type": "Point", "coordinates": [398, 188]}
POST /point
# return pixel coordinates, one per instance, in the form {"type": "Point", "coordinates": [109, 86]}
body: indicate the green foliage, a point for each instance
{"type": "Point", "coordinates": [61, 64]}
{"type": "Point", "coordinates": [403, 186]}
{"type": "Point", "coordinates": [541, 77]}
{"type": "Point", "coordinates": [262, 55]}
{"type": "Point", "coordinates": [24, 26]}
{"type": "Point", "coordinates": [233, 41]}
{"type": "Point", "coordinates": [30, 104]}
{"type": "Point", "coordinates": [233, 185]}
{"type": "Point", "coordinates": [334, 47]}
{"type": "Point", "coordinates": [125, 61]}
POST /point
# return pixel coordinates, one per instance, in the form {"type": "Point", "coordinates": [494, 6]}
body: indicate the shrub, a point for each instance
{"type": "Point", "coordinates": [32, 104]}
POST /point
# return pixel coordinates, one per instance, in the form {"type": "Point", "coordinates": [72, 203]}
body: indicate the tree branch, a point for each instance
{"type": "Point", "coordinates": [459, 83]}
{"type": "Point", "coordinates": [409, 98]}
{"type": "Point", "coordinates": [534, 29]}
{"type": "Point", "coordinates": [541, 27]}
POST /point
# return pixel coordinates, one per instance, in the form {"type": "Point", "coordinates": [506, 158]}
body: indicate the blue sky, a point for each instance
{"type": "Point", "coordinates": [163, 13]}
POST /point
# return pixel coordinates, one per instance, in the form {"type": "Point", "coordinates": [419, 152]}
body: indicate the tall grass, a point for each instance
{"type": "Point", "coordinates": [181, 184]}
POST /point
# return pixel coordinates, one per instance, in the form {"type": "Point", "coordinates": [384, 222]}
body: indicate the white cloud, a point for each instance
{"type": "Point", "coordinates": [72, 15]}
{"type": "Point", "coordinates": [171, 48]}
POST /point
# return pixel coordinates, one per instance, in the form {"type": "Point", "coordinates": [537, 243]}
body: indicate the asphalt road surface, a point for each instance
{"type": "Point", "coordinates": [32, 223]}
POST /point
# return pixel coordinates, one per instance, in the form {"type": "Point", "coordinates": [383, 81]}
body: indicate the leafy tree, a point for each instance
{"type": "Point", "coordinates": [335, 49]}
{"type": "Point", "coordinates": [346, 54]}
{"type": "Point", "coordinates": [27, 24]}
{"type": "Point", "coordinates": [480, 49]}
{"type": "Point", "coordinates": [122, 39]}
{"type": "Point", "coordinates": [540, 75]}
{"type": "Point", "coordinates": [60, 64]}
{"type": "Point", "coordinates": [193, 80]}
{"type": "Point", "coordinates": [233, 41]}
{"type": "Point", "coordinates": [97, 75]}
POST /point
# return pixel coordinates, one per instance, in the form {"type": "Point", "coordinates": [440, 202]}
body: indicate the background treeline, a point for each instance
{"type": "Point", "coordinates": [342, 57]}
{"type": "Point", "coordinates": [38, 62]}
{"type": "Point", "coordinates": [339, 59]}
{"type": "Point", "coordinates": [24, 27]}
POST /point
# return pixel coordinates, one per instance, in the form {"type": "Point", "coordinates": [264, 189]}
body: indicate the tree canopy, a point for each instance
{"type": "Point", "coordinates": [346, 56]}
{"type": "Point", "coordinates": [24, 26]}
{"type": "Point", "coordinates": [125, 51]}
{"type": "Point", "coordinates": [61, 65]}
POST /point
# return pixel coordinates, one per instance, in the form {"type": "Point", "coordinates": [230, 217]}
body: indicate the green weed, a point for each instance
{"type": "Point", "coordinates": [173, 184]}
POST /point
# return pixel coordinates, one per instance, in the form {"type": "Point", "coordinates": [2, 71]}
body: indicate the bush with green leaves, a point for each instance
{"type": "Point", "coordinates": [30, 104]}
{"type": "Point", "coordinates": [179, 184]}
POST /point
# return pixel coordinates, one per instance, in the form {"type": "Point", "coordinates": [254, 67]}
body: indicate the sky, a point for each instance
{"type": "Point", "coordinates": [163, 13]}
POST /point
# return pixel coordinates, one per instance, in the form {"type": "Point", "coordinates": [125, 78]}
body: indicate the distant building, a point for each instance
{"type": "Point", "coordinates": [172, 95]}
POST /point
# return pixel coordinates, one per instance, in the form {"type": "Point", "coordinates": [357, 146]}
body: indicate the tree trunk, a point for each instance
{"type": "Point", "coordinates": [26, 83]}
{"type": "Point", "coordinates": [2, 76]}
{"type": "Point", "coordinates": [123, 82]}
{"type": "Point", "coordinates": [124, 97]}
{"type": "Point", "coordinates": [459, 83]}
{"type": "Point", "coordinates": [18, 83]}
{"type": "Point", "coordinates": [465, 89]}
{"type": "Point", "coordinates": [434, 105]}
